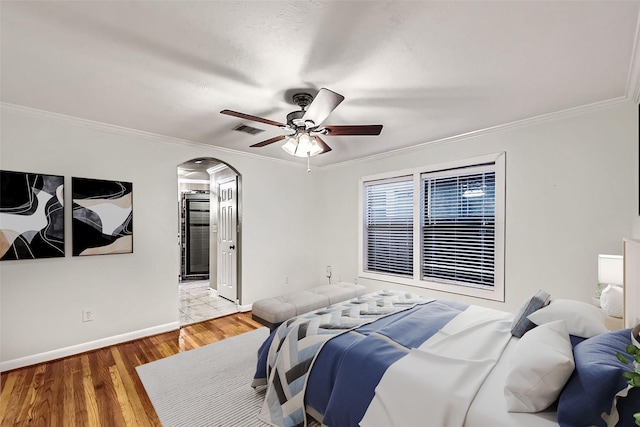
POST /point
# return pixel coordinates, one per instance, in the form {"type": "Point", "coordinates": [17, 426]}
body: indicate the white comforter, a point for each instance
{"type": "Point", "coordinates": [443, 375]}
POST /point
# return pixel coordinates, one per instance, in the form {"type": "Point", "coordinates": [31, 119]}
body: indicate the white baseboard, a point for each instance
{"type": "Point", "coordinates": [245, 308]}
{"type": "Point", "coordinates": [84, 347]}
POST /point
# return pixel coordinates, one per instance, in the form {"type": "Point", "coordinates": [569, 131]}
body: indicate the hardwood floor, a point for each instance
{"type": "Point", "coordinates": [101, 387]}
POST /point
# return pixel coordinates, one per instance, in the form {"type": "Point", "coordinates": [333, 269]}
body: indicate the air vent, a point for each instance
{"type": "Point", "coordinates": [248, 129]}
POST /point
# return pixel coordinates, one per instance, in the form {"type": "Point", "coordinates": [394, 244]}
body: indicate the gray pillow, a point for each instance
{"type": "Point", "coordinates": [520, 323]}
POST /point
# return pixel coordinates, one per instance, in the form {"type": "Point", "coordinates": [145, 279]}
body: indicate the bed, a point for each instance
{"type": "Point", "coordinates": [397, 359]}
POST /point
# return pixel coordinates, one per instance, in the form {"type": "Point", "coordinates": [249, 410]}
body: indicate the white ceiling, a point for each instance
{"type": "Point", "coordinates": [425, 70]}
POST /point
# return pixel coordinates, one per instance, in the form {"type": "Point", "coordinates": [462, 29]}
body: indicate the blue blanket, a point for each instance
{"type": "Point", "coordinates": [348, 365]}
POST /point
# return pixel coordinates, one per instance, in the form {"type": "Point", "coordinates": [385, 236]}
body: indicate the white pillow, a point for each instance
{"type": "Point", "coordinates": [611, 301]}
{"type": "Point", "coordinates": [542, 364]}
{"type": "Point", "coordinates": [583, 320]}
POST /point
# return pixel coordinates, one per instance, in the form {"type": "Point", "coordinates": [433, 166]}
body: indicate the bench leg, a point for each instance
{"type": "Point", "coordinates": [272, 326]}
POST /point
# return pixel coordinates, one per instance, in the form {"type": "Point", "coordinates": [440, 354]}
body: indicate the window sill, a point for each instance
{"type": "Point", "coordinates": [496, 294]}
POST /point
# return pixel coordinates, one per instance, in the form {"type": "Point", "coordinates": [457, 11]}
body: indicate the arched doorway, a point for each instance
{"type": "Point", "coordinates": [210, 250]}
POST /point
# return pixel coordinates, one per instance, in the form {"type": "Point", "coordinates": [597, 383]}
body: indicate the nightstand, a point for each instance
{"type": "Point", "coordinates": [613, 323]}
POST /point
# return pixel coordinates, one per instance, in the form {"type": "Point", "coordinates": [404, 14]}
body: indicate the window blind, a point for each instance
{"type": "Point", "coordinates": [458, 227]}
{"type": "Point", "coordinates": [388, 212]}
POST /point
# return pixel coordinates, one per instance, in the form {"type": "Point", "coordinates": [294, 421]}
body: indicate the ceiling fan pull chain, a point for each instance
{"type": "Point", "coordinates": [308, 161]}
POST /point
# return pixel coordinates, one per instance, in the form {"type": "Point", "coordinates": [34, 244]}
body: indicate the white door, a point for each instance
{"type": "Point", "coordinates": [227, 239]}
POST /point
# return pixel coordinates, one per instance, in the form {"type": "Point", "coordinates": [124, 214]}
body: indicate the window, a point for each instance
{"type": "Point", "coordinates": [458, 226]}
{"type": "Point", "coordinates": [440, 227]}
{"type": "Point", "coordinates": [389, 226]}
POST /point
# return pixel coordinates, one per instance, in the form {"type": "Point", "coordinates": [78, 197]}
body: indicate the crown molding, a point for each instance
{"type": "Point", "coordinates": [193, 181]}
{"type": "Point", "coordinates": [548, 117]}
{"type": "Point", "coordinates": [633, 79]}
{"type": "Point", "coordinates": [124, 131]}
{"type": "Point", "coordinates": [217, 168]}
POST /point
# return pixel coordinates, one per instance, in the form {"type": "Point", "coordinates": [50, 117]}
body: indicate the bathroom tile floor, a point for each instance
{"type": "Point", "coordinates": [198, 302]}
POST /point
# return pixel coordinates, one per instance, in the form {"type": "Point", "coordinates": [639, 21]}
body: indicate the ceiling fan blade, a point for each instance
{"type": "Point", "coordinates": [321, 143]}
{"type": "Point", "coordinates": [269, 141]}
{"type": "Point", "coordinates": [253, 118]}
{"type": "Point", "coordinates": [322, 105]}
{"type": "Point", "coordinates": [354, 130]}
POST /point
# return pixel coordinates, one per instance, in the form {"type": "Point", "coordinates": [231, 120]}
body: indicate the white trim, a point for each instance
{"type": "Point", "coordinates": [360, 225]}
{"type": "Point", "coordinates": [192, 181]}
{"type": "Point", "coordinates": [453, 164]}
{"type": "Point", "coordinates": [500, 228]}
{"type": "Point", "coordinates": [84, 347]}
{"type": "Point", "coordinates": [558, 115]}
{"type": "Point", "coordinates": [120, 130]}
{"type": "Point", "coordinates": [633, 85]}
{"type": "Point", "coordinates": [245, 308]}
{"type": "Point", "coordinates": [497, 292]}
{"type": "Point", "coordinates": [417, 223]}
{"type": "Point", "coordinates": [217, 168]}
{"type": "Point", "coordinates": [633, 79]}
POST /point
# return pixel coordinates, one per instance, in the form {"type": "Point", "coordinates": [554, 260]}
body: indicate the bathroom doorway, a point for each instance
{"type": "Point", "coordinates": [209, 236]}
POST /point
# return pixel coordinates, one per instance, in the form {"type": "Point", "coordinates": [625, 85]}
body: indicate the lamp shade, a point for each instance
{"type": "Point", "coordinates": [307, 146]}
{"type": "Point", "coordinates": [302, 145]}
{"type": "Point", "coordinates": [610, 269]}
{"type": "Point", "coordinates": [290, 146]}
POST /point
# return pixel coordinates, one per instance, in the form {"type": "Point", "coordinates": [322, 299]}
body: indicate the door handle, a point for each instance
{"type": "Point", "coordinates": [232, 247]}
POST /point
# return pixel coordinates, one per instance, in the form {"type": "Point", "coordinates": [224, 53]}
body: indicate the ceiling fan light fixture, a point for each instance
{"type": "Point", "coordinates": [302, 145]}
{"type": "Point", "coordinates": [307, 146]}
{"type": "Point", "coordinates": [291, 145]}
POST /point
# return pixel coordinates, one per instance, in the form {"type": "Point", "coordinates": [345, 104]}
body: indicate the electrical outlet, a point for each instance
{"type": "Point", "coordinates": [328, 274]}
{"type": "Point", "coordinates": [88, 315]}
{"type": "Point", "coordinates": [286, 280]}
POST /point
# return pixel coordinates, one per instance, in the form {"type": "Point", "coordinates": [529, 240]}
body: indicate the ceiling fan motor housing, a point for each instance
{"type": "Point", "coordinates": [302, 100]}
{"type": "Point", "coordinates": [294, 118]}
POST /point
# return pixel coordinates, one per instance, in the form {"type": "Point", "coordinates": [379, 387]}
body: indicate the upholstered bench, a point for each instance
{"type": "Point", "coordinates": [272, 312]}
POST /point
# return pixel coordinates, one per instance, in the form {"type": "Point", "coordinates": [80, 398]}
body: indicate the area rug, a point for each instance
{"type": "Point", "coordinates": [207, 386]}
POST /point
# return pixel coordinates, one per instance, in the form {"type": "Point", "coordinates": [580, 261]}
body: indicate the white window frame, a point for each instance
{"type": "Point", "coordinates": [496, 293]}
{"type": "Point", "coordinates": [410, 210]}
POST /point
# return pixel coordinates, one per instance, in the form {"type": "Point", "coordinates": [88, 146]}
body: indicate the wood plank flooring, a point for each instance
{"type": "Point", "coordinates": [101, 387]}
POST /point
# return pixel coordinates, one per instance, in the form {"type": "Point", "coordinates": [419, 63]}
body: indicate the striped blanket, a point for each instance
{"type": "Point", "coordinates": [296, 343]}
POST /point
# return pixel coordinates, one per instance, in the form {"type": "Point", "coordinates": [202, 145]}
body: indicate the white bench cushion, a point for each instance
{"type": "Point", "coordinates": [278, 309]}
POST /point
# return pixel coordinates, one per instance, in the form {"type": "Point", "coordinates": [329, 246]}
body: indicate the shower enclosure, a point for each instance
{"type": "Point", "coordinates": [195, 232]}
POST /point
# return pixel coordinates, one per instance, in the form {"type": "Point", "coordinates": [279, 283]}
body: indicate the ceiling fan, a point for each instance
{"type": "Point", "coordinates": [306, 124]}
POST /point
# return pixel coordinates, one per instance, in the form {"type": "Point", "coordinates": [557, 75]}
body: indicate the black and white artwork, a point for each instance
{"type": "Point", "coordinates": [102, 217]}
{"type": "Point", "coordinates": [31, 215]}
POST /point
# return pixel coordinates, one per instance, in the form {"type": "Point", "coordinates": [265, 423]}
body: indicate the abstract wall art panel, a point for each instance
{"type": "Point", "coordinates": [31, 215]}
{"type": "Point", "coordinates": [102, 217]}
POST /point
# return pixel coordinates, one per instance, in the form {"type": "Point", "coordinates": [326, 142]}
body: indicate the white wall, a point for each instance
{"type": "Point", "coordinates": [572, 192]}
{"type": "Point", "coordinates": [41, 301]}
